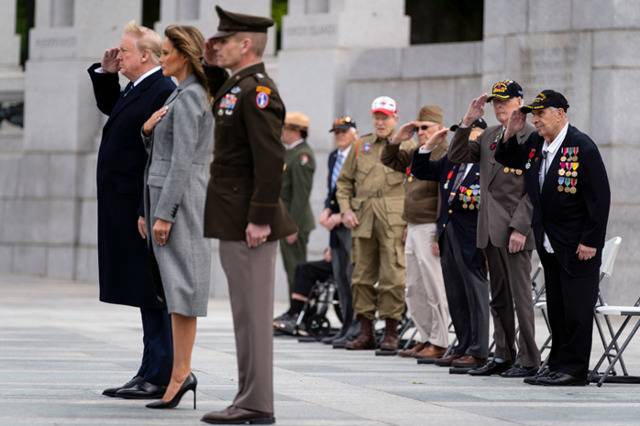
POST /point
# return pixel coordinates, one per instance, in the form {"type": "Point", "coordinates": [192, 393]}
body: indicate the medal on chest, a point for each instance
{"type": "Point", "coordinates": [227, 104]}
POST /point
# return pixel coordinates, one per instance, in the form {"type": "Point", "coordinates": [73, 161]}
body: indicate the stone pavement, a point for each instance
{"type": "Point", "coordinates": [59, 347]}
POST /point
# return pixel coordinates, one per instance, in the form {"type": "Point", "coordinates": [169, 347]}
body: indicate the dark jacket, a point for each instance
{"type": "Point", "coordinates": [297, 182]}
{"type": "Point", "coordinates": [463, 219]}
{"type": "Point", "coordinates": [248, 156]}
{"type": "Point", "coordinates": [331, 202]}
{"type": "Point", "coordinates": [568, 218]}
{"type": "Point", "coordinates": [122, 254]}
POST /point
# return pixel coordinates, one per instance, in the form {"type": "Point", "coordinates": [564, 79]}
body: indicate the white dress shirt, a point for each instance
{"type": "Point", "coordinates": [549, 151]}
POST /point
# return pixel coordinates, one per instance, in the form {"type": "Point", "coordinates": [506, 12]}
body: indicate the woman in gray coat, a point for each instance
{"type": "Point", "coordinates": [179, 139]}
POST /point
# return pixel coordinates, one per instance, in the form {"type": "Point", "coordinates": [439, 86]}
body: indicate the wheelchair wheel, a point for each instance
{"type": "Point", "coordinates": [318, 326]}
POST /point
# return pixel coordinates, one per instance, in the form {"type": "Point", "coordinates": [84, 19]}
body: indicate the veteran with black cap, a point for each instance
{"type": "Point", "coordinates": [503, 233]}
{"type": "Point", "coordinates": [243, 207]}
{"type": "Point", "coordinates": [567, 183]}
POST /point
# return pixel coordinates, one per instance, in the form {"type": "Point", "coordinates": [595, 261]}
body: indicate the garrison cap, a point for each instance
{"type": "Point", "coordinates": [231, 23]}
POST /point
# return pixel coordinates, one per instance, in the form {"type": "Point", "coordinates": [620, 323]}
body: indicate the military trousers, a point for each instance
{"type": "Point", "coordinates": [426, 297]}
{"type": "Point", "coordinates": [510, 279]}
{"type": "Point", "coordinates": [379, 259]}
{"type": "Point", "coordinates": [293, 255]}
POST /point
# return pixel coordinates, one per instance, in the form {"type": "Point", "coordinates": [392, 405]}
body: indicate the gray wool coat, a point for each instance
{"type": "Point", "coordinates": [176, 178]}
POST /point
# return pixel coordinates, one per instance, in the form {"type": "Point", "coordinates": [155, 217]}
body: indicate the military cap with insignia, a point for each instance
{"type": "Point", "coordinates": [504, 90]}
{"type": "Point", "coordinates": [231, 23]}
{"type": "Point", "coordinates": [546, 99]}
{"type": "Point", "coordinates": [343, 123]}
{"type": "Point", "coordinates": [479, 123]}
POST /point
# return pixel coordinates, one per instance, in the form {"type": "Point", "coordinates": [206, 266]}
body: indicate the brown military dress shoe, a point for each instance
{"type": "Point", "coordinates": [446, 361]}
{"type": "Point", "coordinates": [365, 340]}
{"type": "Point", "coordinates": [468, 361]}
{"type": "Point", "coordinates": [233, 415]}
{"type": "Point", "coordinates": [431, 353]}
{"type": "Point", "coordinates": [411, 353]}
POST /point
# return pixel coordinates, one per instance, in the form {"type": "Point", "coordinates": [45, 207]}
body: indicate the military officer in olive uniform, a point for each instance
{"type": "Point", "coordinates": [243, 207]}
{"type": "Point", "coordinates": [371, 199]}
{"type": "Point", "coordinates": [297, 180]}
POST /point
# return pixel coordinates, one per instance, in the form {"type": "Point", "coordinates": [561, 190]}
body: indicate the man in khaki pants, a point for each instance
{"type": "Point", "coordinates": [371, 197]}
{"type": "Point", "coordinates": [426, 297]}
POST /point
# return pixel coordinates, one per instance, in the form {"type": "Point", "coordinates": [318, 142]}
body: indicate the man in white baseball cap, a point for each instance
{"type": "Point", "coordinates": [371, 199]}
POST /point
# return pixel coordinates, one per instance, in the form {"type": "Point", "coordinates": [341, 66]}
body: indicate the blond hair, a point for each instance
{"type": "Point", "coordinates": [146, 39]}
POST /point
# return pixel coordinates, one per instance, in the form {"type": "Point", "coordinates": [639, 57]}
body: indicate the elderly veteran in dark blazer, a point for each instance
{"type": "Point", "coordinates": [179, 137]}
{"type": "Point", "coordinates": [569, 189]}
{"type": "Point", "coordinates": [504, 233]}
{"type": "Point", "coordinates": [123, 264]}
{"type": "Point", "coordinates": [463, 264]}
{"type": "Point", "coordinates": [243, 206]}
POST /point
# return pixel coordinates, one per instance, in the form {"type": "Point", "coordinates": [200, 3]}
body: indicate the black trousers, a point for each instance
{"type": "Point", "coordinates": [570, 303]}
{"type": "Point", "coordinates": [342, 269]}
{"type": "Point", "coordinates": [157, 356]}
{"type": "Point", "coordinates": [467, 292]}
{"type": "Point", "coordinates": [306, 275]}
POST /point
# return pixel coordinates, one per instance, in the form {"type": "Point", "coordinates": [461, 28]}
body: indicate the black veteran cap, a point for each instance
{"type": "Point", "coordinates": [505, 89]}
{"type": "Point", "coordinates": [546, 99]}
{"type": "Point", "coordinates": [231, 23]}
{"type": "Point", "coordinates": [343, 123]}
{"type": "Point", "coordinates": [479, 123]}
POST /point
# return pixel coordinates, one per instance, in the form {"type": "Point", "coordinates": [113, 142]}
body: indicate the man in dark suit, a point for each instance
{"type": "Point", "coordinates": [123, 259]}
{"type": "Point", "coordinates": [243, 208]}
{"type": "Point", "coordinates": [569, 189]}
{"type": "Point", "coordinates": [504, 234]}
{"type": "Point", "coordinates": [463, 264]}
{"type": "Point", "coordinates": [345, 132]}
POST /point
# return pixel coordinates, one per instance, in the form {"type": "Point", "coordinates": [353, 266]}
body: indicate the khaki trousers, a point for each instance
{"type": "Point", "coordinates": [378, 259]}
{"type": "Point", "coordinates": [426, 297]}
{"type": "Point", "coordinates": [251, 275]}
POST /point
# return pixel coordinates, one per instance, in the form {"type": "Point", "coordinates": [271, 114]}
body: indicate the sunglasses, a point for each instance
{"type": "Point", "coordinates": [424, 127]}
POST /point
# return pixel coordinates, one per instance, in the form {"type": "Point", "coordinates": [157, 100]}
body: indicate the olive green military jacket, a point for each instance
{"type": "Point", "coordinates": [248, 156]}
{"type": "Point", "coordinates": [370, 189]}
{"type": "Point", "coordinates": [297, 181]}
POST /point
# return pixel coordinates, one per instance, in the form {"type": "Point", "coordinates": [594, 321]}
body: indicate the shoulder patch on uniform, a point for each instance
{"type": "Point", "coordinates": [304, 159]}
{"type": "Point", "coordinates": [263, 89]}
{"type": "Point", "coordinates": [262, 100]}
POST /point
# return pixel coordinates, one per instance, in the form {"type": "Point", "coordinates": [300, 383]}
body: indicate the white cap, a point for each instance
{"type": "Point", "coordinates": [385, 105]}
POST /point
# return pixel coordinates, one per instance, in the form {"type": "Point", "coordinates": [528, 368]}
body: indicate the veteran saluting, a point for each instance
{"type": "Point", "coordinates": [243, 209]}
{"type": "Point", "coordinates": [569, 189]}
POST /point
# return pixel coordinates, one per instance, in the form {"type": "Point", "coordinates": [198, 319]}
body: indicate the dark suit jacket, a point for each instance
{"type": "Point", "coordinates": [464, 220]}
{"type": "Point", "coordinates": [331, 202]}
{"type": "Point", "coordinates": [246, 173]}
{"type": "Point", "coordinates": [122, 255]}
{"type": "Point", "coordinates": [568, 219]}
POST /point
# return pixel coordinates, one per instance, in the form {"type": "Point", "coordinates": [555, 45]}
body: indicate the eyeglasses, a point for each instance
{"type": "Point", "coordinates": [424, 127]}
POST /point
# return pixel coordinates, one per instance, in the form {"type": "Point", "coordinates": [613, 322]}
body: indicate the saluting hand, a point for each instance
{"type": "Point", "coordinates": [437, 139]}
{"type": "Point", "coordinates": [155, 118]}
{"type": "Point", "coordinates": [161, 230]}
{"type": "Point", "coordinates": [516, 123]}
{"type": "Point", "coordinates": [210, 53]}
{"type": "Point", "coordinates": [110, 62]}
{"type": "Point", "coordinates": [475, 110]}
{"type": "Point", "coordinates": [585, 252]}
{"type": "Point", "coordinates": [405, 133]}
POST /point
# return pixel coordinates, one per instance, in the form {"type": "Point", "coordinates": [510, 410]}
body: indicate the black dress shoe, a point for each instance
{"type": "Point", "coordinates": [190, 384]}
{"type": "Point", "coordinates": [142, 390]}
{"type": "Point", "coordinates": [238, 416]}
{"type": "Point", "coordinates": [491, 367]}
{"type": "Point", "coordinates": [533, 380]}
{"type": "Point", "coordinates": [340, 342]}
{"type": "Point", "coordinates": [520, 371]}
{"type": "Point", "coordinates": [111, 392]}
{"type": "Point", "coordinates": [561, 379]}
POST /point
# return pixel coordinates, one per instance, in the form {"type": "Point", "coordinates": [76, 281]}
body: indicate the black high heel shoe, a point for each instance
{"type": "Point", "coordinates": [190, 384]}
